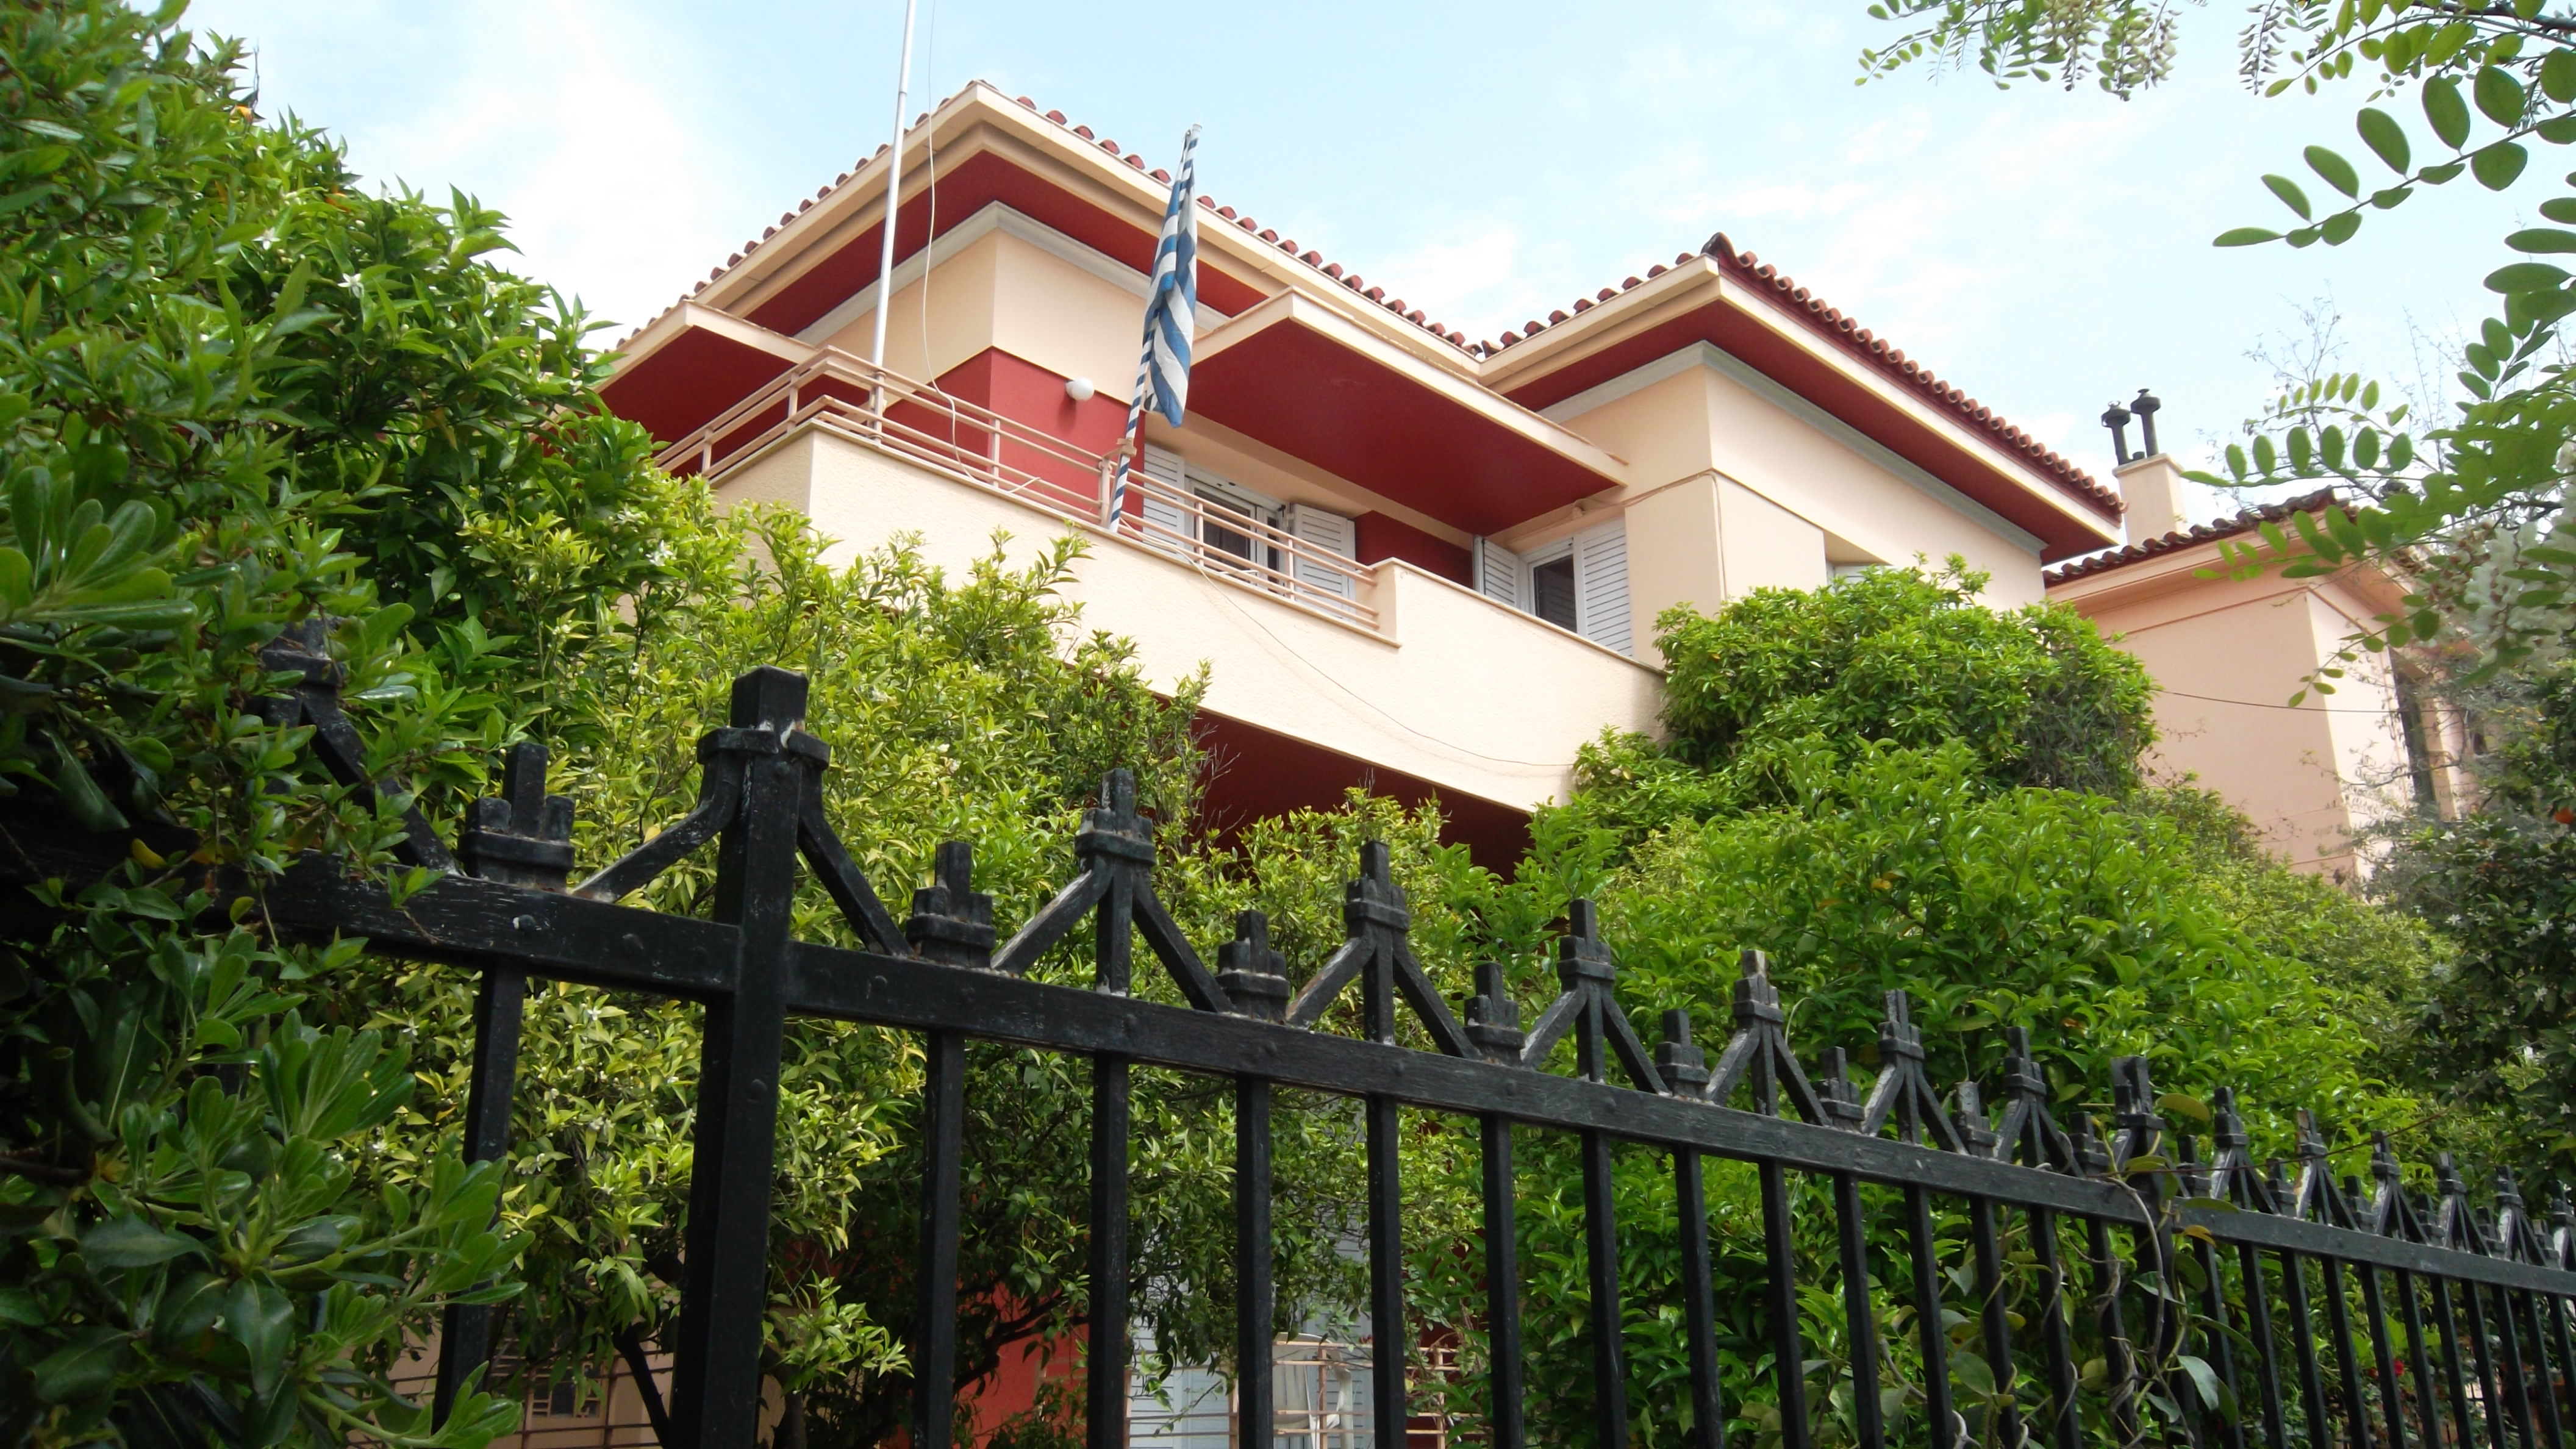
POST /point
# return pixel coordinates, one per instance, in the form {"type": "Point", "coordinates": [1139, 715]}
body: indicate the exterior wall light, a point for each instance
{"type": "Point", "coordinates": [1079, 389]}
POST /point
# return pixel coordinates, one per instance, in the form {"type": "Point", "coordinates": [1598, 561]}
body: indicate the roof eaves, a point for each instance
{"type": "Point", "coordinates": [1349, 280]}
{"type": "Point", "coordinates": [2199, 533]}
{"type": "Point", "coordinates": [1832, 322]}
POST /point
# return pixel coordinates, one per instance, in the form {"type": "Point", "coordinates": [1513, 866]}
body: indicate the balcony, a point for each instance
{"type": "Point", "coordinates": [848, 398]}
{"type": "Point", "coordinates": [1395, 672]}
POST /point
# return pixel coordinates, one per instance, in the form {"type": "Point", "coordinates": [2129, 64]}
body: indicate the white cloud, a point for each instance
{"type": "Point", "coordinates": [564, 115]}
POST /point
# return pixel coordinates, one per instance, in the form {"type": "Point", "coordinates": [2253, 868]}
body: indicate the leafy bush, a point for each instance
{"type": "Point", "coordinates": [2499, 1034]}
{"type": "Point", "coordinates": [222, 371]}
{"type": "Point", "coordinates": [1911, 658]}
{"type": "Point", "coordinates": [1847, 791]}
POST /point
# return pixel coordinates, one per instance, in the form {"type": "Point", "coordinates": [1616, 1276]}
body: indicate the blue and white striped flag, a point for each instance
{"type": "Point", "coordinates": [1171, 315]}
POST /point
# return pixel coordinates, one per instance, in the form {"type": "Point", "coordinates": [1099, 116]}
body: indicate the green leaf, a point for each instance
{"type": "Point", "coordinates": [2542, 239]}
{"type": "Point", "coordinates": [2496, 166]}
{"type": "Point", "coordinates": [2524, 277]}
{"type": "Point", "coordinates": [261, 1319]}
{"type": "Point", "coordinates": [87, 804]}
{"type": "Point", "coordinates": [2438, 175]}
{"type": "Point", "coordinates": [2184, 1105]}
{"type": "Point", "coordinates": [2557, 130]}
{"type": "Point", "coordinates": [2385, 138]}
{"type": "Point", "coordinates": [2558, 75]}
{"type": "Point", "coordinates": [2560, 208]}
{"type": "Point", "coordinates": [84, 1368]}
{"type": "Point", "coordinates": [2499, 95]}
{"type": "Point", "coordinates": [2245, 236]}
{"type": "Point", "coordinates": [2203, 1378]}
{"type": "Point", "coordinates": [2339, 228]}
{"type": "Point", "coordinates": [2446, 112]}
{"type": "Point", "coordinates": [2290, 194]}
{"type": "Point", "coordinates": [130, 1242]}
{"type": "Point", "coordinates": [2338, 172]}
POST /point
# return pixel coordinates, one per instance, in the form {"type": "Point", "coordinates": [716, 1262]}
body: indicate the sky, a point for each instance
{"type": "Point", "coordinates": [2048, 251]}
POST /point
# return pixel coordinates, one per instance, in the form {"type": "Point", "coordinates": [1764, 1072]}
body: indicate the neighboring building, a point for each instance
{"type": "Point", "coordinates": [1415, 561]}
{"type": "Point", "coordinates": [2229, 652]}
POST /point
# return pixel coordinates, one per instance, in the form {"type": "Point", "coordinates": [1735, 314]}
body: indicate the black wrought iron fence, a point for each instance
{"type": "Point", "coordinates": [2189, 1298]}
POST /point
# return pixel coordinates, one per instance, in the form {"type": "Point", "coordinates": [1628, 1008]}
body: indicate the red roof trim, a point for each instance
{"type": "Point", "coordinates": [1224, 294]}
{"type": "Point", "coordinates": [1832, 322]}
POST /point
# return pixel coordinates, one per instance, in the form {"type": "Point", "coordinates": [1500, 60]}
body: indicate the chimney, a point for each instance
{"type": "Point", "coordinates": [2150, 483]}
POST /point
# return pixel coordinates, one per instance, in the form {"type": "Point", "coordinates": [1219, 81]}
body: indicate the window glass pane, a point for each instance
{"type": "Point", "coordinates": [1552, 591]}
{"type": "Point", "coordinates": [1224, 539]}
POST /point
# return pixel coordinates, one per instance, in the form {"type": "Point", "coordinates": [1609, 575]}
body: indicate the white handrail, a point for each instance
{"type": "Point", "coordinates": [1072, 485]}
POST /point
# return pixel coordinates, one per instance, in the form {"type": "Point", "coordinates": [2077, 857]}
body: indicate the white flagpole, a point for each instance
{"type": "Point", "coordinates": [894, 194]}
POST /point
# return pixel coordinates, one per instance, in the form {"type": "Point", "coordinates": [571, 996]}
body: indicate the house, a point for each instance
{"type": "Point", "coordinates": [2230, 651]}
{"type": "Point", "coordinates": [1414, 560]}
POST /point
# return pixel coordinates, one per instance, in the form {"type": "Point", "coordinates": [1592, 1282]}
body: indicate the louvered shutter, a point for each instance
{"type": "Point", "coordinates": [1170, 522]}
{"type": "Point", "coordinates": [1500, 574]}
{"type": "Point", "coordinates": [1601, 585]}
{"type": "Point", "coordinates": [1328, 533]}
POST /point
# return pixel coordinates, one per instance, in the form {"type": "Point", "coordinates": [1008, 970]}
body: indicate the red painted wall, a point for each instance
{"type": "Point", "coordinates": [1383, 537]}
{"type": "Point", "coordinates": [1024, 392]}
{"type": "Point", "coordinates": [1257, 772]}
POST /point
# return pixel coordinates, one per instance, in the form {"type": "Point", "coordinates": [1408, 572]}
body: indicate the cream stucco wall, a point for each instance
{"type": "Point", "coordinates": [1674, 555]}
{"type": "Point", "coordinates": [1450, 687]}
{"type": "Point", "coordinates": [2228, 654]}
{"type": "Point", "coordinates": [1001, 280]}
{"type": "Point", "coordinates": [1739, 484]}
{"type": "Point", "coordinates": [1743, 486]}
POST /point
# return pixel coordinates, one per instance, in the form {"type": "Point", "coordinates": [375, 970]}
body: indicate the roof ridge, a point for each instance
{"type": "Point", "coordinates": [2245, 521]}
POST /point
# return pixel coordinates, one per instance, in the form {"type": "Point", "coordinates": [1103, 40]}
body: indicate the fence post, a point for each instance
{"type": "Point", "coordinates": [715, 1381]}
{"type": "Point", "coordinates": [523, 837]}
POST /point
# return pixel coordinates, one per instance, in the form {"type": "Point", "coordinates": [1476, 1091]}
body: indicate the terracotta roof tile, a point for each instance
{"type": "Point", "coordinates": [2245, 522]}
{"type": "Point", "coordinates": [1892, 360]}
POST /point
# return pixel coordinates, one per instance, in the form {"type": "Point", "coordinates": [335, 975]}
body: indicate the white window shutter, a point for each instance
{"type": "Point", "coordinates": [1170, 528]}
{"type": "Point", "coordinates": [1500, 574]}
{"type": "Point", "coordinates": [1328, 533]}
{"type": "Point", "coordinates": [1601, 585]}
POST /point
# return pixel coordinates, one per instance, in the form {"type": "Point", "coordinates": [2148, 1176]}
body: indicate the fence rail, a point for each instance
{"type": "Point", "coordinates": [2328, 1313]}
{"type": "Point", "coordinates": [876, 407]}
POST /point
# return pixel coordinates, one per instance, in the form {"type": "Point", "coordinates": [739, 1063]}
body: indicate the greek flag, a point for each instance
{"type": "Point", "coordinates": [1171, 314]}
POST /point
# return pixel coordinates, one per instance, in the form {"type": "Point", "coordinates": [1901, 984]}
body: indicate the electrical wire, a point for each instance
{"type": "Point", "coordinates": [2260, 704]}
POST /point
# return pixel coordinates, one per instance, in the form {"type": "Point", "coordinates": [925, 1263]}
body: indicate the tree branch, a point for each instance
{"type": "Point", "coordinates": [631, 1346]}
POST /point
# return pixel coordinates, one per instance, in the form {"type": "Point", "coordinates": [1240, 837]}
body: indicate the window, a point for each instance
{"type": "Point", "coordinates": [1222, 501]}
{"type": "Point", "coordinates": [1578, 583]}
{"type": "Point", "coordinates": [1231, 522]}
{"type": "Point", "coordinates": [1552, 591]}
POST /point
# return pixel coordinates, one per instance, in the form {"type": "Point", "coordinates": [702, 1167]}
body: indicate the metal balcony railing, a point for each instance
{"type": "Point", "coordinates": [859, 402]}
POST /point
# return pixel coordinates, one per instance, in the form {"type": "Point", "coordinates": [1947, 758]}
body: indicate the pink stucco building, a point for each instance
{"type": "Point", "coordinates": [2230, 651]}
